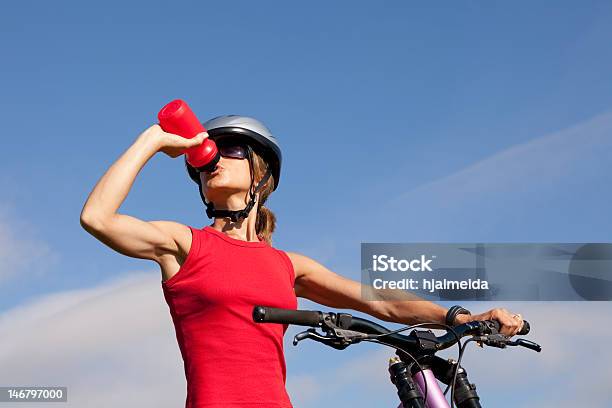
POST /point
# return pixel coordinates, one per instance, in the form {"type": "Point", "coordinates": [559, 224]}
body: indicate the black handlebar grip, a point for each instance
{"type": "Point", "coordinates": [265, 314]}
{"type": "Point", "coordinates": [524, 330]}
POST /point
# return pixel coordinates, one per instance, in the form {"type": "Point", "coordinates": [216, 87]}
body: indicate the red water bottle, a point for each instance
{"type": "Point", "coordinates": [176, 117]}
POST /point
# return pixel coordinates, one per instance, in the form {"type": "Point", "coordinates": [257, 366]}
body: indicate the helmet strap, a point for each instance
{"type": "Point", "coordinates": [236, 215]}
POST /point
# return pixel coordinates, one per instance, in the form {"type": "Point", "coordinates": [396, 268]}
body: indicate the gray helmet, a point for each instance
{"type": "Point", "coordinates": [249, 130]}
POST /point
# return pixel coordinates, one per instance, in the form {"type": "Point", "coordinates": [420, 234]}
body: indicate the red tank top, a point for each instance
{"type": "Point", "coordinates": [229, 360]}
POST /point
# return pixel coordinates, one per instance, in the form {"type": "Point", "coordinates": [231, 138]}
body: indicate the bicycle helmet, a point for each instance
{"type": "Point", "coordinates": [258, 138]}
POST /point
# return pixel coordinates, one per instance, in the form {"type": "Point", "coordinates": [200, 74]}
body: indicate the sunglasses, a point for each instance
{"type": "Point", "coordinates": [233, 151]}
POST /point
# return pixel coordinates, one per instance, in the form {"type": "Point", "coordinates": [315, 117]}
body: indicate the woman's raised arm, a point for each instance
{"type": "Point", "coordinates": [123, 233]}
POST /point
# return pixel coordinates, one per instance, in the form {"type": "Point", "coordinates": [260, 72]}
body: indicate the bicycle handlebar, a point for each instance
{"type": "Point", "coordinates": [342, 329]}
{"type": "Point", "coordinates": [345, 321]}
{"type": "Point", "coordinates": [264, 314]}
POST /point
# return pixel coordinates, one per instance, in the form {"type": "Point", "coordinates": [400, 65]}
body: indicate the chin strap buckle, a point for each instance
{"type": "Point", "coordinates": [234, 215]}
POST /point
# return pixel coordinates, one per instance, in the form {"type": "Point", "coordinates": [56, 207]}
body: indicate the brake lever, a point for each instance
{"type": "Point", "coordinates": [328, 341]}
{"type": "Point", "coordinates": [501, 341]}
{"type": "Point", "coordinates": [526, 343]}
{"type": "Point", "coordinates": [308, 334]}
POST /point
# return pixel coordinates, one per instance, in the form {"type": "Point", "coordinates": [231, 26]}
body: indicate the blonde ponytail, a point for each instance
{"type": "Point", "coordinates": [265, 222]}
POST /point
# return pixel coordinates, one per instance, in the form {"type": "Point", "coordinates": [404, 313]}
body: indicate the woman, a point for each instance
{"type": "Point", "coordinates": [213, 276]}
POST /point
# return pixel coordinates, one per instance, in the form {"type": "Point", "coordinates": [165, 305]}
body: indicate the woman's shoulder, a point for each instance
{"type": "Point", "coordinates": [302, 263]}
{"type": "Point", "coordinates": [298, 261]}
{"type": "Point", "coordinates": [295, 256]}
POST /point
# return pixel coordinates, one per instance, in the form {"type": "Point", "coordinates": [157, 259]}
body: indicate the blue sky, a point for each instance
{"type": "Point", "coordinates": [399, 122]}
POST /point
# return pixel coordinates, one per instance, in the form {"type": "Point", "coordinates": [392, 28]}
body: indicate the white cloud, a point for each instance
{"type": "Point", "coordinates": [544, 160]}
{"type": "Point", "coordinates": [112, 345]}
{"type": "Point", "coordinates": [549, 189]}
{"type": "Point", "coordinates": [574, 364]}
{"type": "Point", "coordinates": [20, 250]}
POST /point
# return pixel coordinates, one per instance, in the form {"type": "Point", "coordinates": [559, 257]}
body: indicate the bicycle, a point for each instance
{"type": "Point", "coordinates": [415, 370]}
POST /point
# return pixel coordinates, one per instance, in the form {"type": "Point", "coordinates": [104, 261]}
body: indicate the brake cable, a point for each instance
{"type": "Point", "coordinates": [461, 349]}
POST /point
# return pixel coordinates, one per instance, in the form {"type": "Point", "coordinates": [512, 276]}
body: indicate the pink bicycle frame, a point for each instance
{"type": "Point", "coordinates": [435, 396]}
